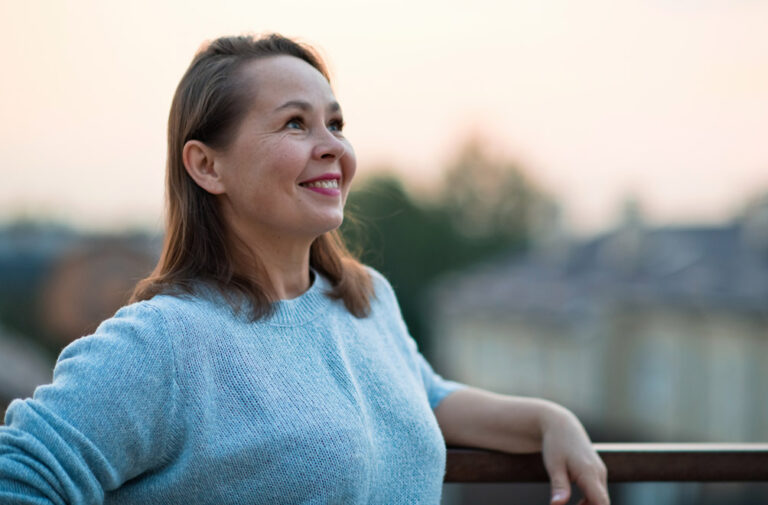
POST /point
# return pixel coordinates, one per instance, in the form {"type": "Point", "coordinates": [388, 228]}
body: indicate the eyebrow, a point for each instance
{"type": "Point", "coordinates": [306, 106]}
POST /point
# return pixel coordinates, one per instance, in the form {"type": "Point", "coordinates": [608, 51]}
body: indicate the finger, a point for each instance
{"type": "Point", "coordinates": [595, 491]}
{"type": "Point", "coordinates": [561, 485]}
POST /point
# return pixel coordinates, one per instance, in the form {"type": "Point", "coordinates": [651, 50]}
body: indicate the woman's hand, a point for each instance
{"type": "Point", "coordinates": [569, 457]}
{"type": "Point", "coordinates": [473, 417]}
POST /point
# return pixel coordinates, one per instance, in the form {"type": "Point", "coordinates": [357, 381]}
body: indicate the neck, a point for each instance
{"type": "Point", "coordinates": [281, 263]}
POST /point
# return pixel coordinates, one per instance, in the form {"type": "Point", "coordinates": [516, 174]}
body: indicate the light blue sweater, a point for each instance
{"type": "Point", "coordinates": [177, 400]}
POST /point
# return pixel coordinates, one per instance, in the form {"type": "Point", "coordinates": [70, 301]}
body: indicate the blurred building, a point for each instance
{"type": "Point", "coordinates": [647, 333]}
{"type": "Point", "coordinates": [23, 366]}
{"type": "Point", "coordinates": [57, 284]}
{"type": "Point", "coordinates": [89, 282]}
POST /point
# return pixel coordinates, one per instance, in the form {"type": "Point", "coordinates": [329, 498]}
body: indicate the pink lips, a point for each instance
{"type": "Point", "coordinates": [322, 190]}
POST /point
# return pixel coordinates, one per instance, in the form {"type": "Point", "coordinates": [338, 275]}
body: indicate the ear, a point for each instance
{"type": "Point", "coordinates": [198, 160]}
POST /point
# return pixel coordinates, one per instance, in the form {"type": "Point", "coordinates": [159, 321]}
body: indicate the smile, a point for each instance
{"type": "Point", "coordinates": [327, 184]}
{"type": "Point", "coordinates": [333, 183]}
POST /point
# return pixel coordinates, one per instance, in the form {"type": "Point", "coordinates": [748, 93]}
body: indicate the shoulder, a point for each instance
{"type": "Point", "coordinates": [144, 327]}
{"type": "Point", "coordinates": [174, 310]}
{"type": "Point", "coordinates": [384, 297]}
{"type": "Point", "coordinates": [381, 286]}
{"type": "Point", "coordinates": [147, 316]}
{"type": "Point", "coordinates": [134, 330]}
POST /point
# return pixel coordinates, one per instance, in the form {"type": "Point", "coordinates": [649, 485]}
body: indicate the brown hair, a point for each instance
{"type": "Point", "coordinates": [209, 105]}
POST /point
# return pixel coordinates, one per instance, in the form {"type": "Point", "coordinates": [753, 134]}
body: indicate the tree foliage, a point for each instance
{"type": "Point", "coordinates": [484, 208]}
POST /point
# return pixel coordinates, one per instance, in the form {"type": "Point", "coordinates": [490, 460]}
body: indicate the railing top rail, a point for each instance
{"type": "Point", "coordinates": [625, 463]}
{"type": "Point", "coordinates": [674, 448]}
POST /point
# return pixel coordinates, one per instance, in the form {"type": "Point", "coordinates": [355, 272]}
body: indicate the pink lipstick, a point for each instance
{"type": "Point", "coordinates": [326, 184]}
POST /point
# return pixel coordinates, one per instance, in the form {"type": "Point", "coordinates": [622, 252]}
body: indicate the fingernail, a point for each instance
{"type": "Point", "coordinates": [560, 495]}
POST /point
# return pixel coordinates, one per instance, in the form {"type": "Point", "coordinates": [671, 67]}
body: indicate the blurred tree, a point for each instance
{"type": "Point", "coordinates": [488, 198]}
{"type": "Point", "coordinates": [485, 207]}
{"type": "Point", "coordinates": [399, 238]}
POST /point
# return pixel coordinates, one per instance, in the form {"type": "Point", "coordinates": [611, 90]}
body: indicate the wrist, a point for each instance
{"type": "Point", "coordinates": [520, 423]}
{"type": "Point", "coordinates": [534, 419]}
{"type": "Point", "coordinates": [555, 416]}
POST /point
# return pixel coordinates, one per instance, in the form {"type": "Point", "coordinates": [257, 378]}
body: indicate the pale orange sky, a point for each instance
{"type": "Point", "coordinates": [663, 99]}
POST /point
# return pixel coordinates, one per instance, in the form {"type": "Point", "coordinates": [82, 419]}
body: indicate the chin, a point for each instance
{"type": "Point", "coordinates": [328, 226]}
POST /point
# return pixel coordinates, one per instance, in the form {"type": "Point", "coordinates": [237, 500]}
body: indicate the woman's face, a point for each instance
{"type": "Point", "coordinates": [287, 172]}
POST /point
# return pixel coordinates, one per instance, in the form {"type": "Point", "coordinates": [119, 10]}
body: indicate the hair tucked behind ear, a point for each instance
{"type": "Point", "coordinates": [209, 105]}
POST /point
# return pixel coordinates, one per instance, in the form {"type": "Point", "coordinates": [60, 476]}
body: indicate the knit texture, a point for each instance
{"type": "Point", "coordinates": [179, 400]}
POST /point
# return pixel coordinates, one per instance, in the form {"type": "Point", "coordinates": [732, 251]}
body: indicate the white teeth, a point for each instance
{"type": "Point", "coordinates": [330, 184]}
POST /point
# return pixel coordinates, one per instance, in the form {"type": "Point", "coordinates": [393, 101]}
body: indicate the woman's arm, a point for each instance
{"type": "Point", "coordinates": [108, 416]}
{"type": "Point", "coordinates": [472, 417]}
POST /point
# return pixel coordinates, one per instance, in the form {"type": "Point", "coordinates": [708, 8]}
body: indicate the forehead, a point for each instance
{"type": "Point", "coordinates": [277, 79]}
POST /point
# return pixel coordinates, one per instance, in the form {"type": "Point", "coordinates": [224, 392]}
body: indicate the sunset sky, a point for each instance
{"type": "Point", "coordinates": [665, 100]}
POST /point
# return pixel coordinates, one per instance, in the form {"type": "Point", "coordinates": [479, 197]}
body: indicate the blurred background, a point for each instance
{"type": "Point", "coordinates": [570, 198]}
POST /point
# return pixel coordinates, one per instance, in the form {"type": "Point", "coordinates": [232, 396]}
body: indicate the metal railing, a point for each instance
{"type": "Point", "coordinates": [625, 463]}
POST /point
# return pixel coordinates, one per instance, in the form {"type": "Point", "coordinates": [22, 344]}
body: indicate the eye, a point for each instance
{"type": "Point", "coordinates": [295, 123]}
{"type": "Point", "coordinates": [336, 125]}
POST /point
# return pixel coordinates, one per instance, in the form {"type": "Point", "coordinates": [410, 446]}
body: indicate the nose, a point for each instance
{"type": "Point", "coordinates": [328, 147]}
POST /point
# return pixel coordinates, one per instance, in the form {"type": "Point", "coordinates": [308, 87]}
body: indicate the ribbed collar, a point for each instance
{"type": "Point", "coordinates": [295, 312]}
{"type": "Point", "coordinates": [304, 308]}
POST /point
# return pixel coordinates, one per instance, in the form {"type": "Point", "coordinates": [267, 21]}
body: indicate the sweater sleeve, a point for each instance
{"type": "Point", "coordinates": [436, 387]}
{"type": "Point", "coordinates": [107, 417]}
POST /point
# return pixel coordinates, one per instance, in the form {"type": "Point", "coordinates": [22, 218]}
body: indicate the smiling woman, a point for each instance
{"type": "Point", "coordinates": [281, 149]}
{"type": "Point", "coordinates": [260, 362]}
{"type": "Point", "coordinates": [253, 126]}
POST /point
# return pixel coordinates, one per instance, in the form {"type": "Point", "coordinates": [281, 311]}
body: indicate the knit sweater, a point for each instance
{"type": "Point", "coordinates": [181, 400]}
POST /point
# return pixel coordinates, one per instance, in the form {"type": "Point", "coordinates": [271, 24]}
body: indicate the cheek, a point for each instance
{"type": "Point", "coordinates": [282, 160]}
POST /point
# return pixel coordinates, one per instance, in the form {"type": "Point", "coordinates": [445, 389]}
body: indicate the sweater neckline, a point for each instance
{"type": "Point", "coordinates": [304, 307]}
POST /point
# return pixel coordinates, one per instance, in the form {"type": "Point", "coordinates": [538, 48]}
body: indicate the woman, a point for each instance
{"type": "Point", "coordinates": [261, 363]}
